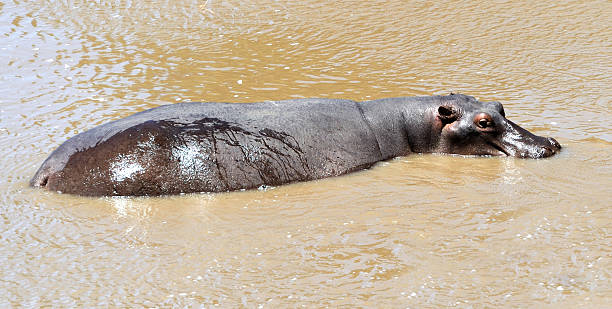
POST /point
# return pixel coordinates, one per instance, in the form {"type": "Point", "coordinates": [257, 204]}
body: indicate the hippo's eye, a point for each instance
{"type": "Point", "coordinates": [483, 121]}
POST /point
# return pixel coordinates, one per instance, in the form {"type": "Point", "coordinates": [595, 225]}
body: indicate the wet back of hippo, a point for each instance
{"type": "Point", "coordinates": [213, 147]}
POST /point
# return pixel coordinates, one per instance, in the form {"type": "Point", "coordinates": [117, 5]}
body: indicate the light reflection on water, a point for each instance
{"type": "Point", "coordinates": [511, 174]}
{"type": "Point", "coordinates": [418, 231]}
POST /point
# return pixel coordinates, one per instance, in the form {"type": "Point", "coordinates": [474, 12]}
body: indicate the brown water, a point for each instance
{"type": "Point", "coordinates": [423, 231]}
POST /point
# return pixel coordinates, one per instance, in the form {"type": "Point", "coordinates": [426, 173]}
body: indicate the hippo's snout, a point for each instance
{"type": "Point", "coordinates": [521, 143]}
{"type": "Point", "coordinates": [536, 147]}
{"type": "Point", "coordinates": [552, 148]}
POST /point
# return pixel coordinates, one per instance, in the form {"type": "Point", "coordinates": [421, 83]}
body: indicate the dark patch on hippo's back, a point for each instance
{"type": "Point", "coordinates": [284, 138]}
{"type": "Point", "coordinates": [207, 126]}
{"type": "Point", "coordinates": [168, 156]}
{"type": "Point", "coordinates": [247, 157]}
{"type": "Point", "coordinates": [286, 146]}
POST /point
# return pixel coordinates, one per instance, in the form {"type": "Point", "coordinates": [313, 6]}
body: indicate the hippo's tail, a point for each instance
{"type": "Point", "coordinates": [41, 177]}
{"type": "Point", "coordinates": [50, 168]}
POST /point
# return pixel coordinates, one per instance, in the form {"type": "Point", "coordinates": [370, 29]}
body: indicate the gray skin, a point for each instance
{"type": "Point", "coordinates": [214, 147]}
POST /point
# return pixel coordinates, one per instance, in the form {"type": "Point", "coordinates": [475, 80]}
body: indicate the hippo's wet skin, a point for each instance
{"type": "Point", "coordinates": [212, 147]}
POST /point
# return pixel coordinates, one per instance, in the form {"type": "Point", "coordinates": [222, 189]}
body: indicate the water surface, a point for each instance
{"type": "Point", "coordinates": [423, 231]}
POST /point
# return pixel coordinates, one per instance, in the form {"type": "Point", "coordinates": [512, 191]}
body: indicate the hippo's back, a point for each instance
{"type": "Point", "coordinates": [211, 147]}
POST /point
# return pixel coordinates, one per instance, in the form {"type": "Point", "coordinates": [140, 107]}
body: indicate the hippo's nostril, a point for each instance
{"type": "Point", "coordinates": [551, 149]}
{"type": "Point", "coordinates": [554, 143]}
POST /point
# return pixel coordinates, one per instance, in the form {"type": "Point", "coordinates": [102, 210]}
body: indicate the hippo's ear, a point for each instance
{"type": "Point", "coordinates": [447, 113]}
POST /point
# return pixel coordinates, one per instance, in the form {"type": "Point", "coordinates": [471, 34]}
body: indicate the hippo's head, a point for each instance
{"type": "Point", "coordinates": [471, 127]}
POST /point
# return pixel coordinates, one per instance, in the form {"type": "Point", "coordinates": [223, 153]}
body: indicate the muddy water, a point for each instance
{"type": "Point", "coordinates": [423, 231]}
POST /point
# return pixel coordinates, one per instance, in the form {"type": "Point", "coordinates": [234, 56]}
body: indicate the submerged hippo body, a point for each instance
{"type": "Point", "coordinates": [213, 147]}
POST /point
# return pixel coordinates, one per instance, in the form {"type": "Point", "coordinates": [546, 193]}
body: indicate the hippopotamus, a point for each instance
{"type": "Point", "coordinates": [216, 147]}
